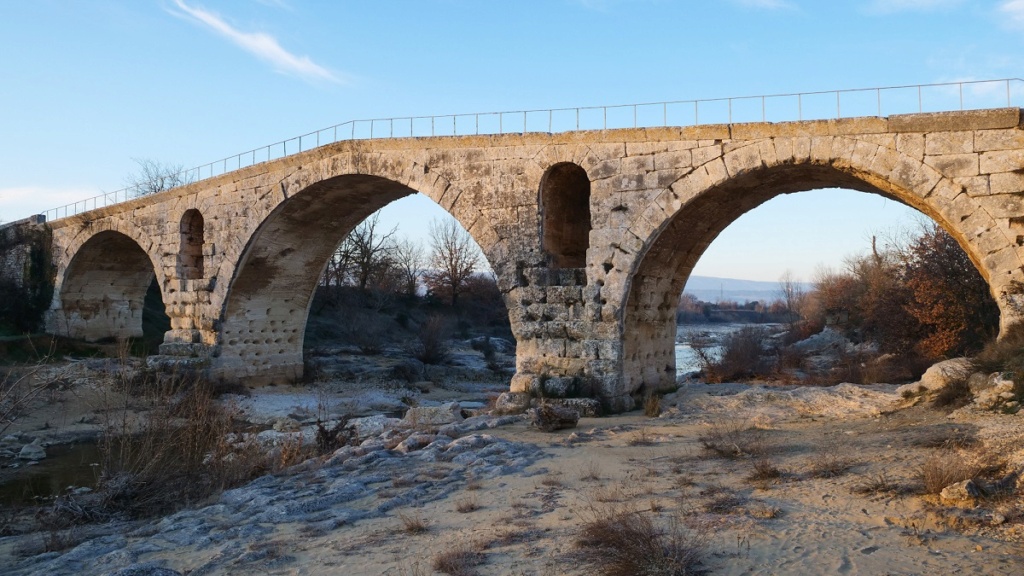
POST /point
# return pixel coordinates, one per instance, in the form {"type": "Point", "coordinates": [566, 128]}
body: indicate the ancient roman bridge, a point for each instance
{"type": "Point", "coordinates": [592, 234]}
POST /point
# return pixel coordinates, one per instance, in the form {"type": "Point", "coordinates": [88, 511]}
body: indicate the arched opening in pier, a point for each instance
{"type": "Point", "coordinates": [110, 292]}
{"type": "Point", "coordinates": [190, 255]}
{"type": "Point", "coordinates": [564, 200]}
{"type": "Point", "coordinates": [652, 302]}
{"type": "Point", "coordinates": [325, 275]}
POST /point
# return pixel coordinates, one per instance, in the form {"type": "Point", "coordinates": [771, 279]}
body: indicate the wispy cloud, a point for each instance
{"type": "Point", "coordinates": [263, 46]}
{"type": "Point", "coordinates": [892, 6]}
{"type": "Point", "coordinates": [766, 4]}
{"type": "Point", "coordinates": [1013, 10]}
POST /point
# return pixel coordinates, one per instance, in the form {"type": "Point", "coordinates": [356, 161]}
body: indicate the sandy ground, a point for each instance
{"type": "Point", "coordinates": [845, 496]}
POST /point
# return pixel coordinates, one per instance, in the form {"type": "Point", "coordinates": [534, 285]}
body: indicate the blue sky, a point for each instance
{"type": "Point", "coordinates": [88, 86]}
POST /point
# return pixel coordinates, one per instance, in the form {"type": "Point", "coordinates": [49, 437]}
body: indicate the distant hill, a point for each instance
{"type": "Point", "coordinates": [710, 289]}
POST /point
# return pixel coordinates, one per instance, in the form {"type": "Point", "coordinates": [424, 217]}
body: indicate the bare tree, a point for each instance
{"type": "Point", "coordinates": [371, 251]}
{"type": "Point", "coordinates": [454, 256]}
{"type": "Point", "coordinates": [792, 293]}
{"type": "Point", "coordinates": [153, 177]}
{"type": "Point", "coordinates": [408, 263]}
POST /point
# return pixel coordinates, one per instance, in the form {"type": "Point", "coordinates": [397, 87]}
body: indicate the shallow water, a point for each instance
{"type": "Point", "coordinates": [686, 358]}
{"type": "Point", "coordinates": [74, 465]}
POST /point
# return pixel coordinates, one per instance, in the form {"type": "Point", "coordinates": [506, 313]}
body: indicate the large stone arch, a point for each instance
{"type": "Point", "coordinates": [263, 316]}
{"type": "Point", "coordinates": [100, 292]}
{"type": "Point", "coordinates": [676, 230]}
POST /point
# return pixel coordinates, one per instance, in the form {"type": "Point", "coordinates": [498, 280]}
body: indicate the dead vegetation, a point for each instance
{"type": "Point", "coordinates": [628, 542]}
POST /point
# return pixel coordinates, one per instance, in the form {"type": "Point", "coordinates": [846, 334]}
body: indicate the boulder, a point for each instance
{"type": "Point", "coordinates": [512, 403]}
{"type": "Point", "coordinates": [433, 415]}
{"type": "Point", "coordinates": [940, 375]}
{"type": "Point", "coordinates": [551, 417]}
{"type": "Point", "coordinates": [372, 425]}
{"type": "Point", "coordinates": [415, 442]}
{"type": "Point", "coordinates": [32, 451]}
{"type": "Point", "coordinates": [961, 493]}
{"type": "Point", "coordinates": [999, 393]}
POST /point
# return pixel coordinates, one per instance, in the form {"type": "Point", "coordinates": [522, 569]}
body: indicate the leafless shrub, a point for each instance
{"type": "Point", "coordinates": [551, 481]}
{"type": "Point", "coordinates": [944, 436]}
{"type": "Point", "coordinates": [734, 440]}
{"type": "Point", "coordinates": [763, 471]}
{"type": "Point", "coordinates": [628, 543]}
{"type": "Point", "coordinates": [591, 472]}
{"type": "Point", "coordinates": [458, 561]}
{"type": "Point", "coordinates": [431, 346]}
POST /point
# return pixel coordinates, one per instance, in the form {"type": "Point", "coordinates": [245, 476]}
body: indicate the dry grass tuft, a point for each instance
{"type": "Point", "coordinates": [413, 523]}
{"type": "Point", "coordinates": [627, 543]}
{"type": "Point", "coordinates": [826, 465]}
{"type": "Point", "coordinates": [458, 561]}
{"type": "Point", "coordinates": [466, 505]}
{"type": "Point", "coordinates": [652, 406]}
{"type": "Point", "coordinates": [944, 469]}
{"type": "Point", "coordinates": [641, 438]}
{"type": "Point", "coordinates": [591, 472]}
{"type": "Point", "coordinates": [877, 483]}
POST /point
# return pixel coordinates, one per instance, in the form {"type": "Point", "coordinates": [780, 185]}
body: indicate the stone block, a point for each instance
{"type": "Point", "coordinates": [954, 165]}
{"type": "Point", "coordinates": [956, 121]}
{"type": "Point", "coordinates": [1002, 161]}
{"type": "Point", "coordinates": [949, 143]}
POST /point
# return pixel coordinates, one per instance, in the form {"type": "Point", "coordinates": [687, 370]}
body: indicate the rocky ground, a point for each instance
{"type": "Point", "coordinates": [761, 479]}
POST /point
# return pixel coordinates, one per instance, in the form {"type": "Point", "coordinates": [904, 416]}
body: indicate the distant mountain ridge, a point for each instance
{"type": "Point", "coordinates": [711, 289]}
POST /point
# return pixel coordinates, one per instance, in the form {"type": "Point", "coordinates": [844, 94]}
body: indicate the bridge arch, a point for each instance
{"type": "Point", "coordinates": [265, 309]}
{"type": "Point", "coordinates": [695, 209]}
{"type": "Point", "coordinates": [100, 294]}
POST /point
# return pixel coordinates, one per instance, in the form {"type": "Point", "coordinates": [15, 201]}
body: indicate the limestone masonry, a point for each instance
{"type": "Point", "coordinates": [592, 234]}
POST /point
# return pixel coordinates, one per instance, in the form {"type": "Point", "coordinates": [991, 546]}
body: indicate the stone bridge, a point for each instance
{"type": "Point", "coordinates": [592, 234]}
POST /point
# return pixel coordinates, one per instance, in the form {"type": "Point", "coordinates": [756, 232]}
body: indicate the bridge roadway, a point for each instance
{"type": "Point", "coordinates": [592, 234]}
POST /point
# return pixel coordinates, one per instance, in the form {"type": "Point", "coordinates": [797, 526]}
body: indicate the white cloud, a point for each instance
{"type": "Point", "coordinates": [263, 46]}
{"type": "Point", "coordinates": [1014, 12]}
{"type": "Point", "coordinates": [891, 6]}
{"type": "Point", "coordinates": [766, 4]}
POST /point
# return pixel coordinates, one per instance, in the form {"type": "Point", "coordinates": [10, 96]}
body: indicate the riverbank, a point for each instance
{"type": "Point", "coordinates": [765, 479]}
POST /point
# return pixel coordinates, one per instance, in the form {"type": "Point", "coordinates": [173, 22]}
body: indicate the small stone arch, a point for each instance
{"type": "Point", "coordinates": [102, 291]}
{"type": "Point", "coordinates": [190, 253]}
{"type": "Point", "coordinates": [564, 203]}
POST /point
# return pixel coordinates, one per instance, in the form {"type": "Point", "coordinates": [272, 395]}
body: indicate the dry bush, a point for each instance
{"type": "Point", "coordinates": [876, 483]}
{"type": "Point", "coordinates": [764, 511]}
{"type": "Point", "coordinates": [177, 455]}
{"type": "Point", "coordinates": [591, 472]}
{"type": "Point", "coordinates": [827, 465]}
{"type": "Point", "coordinates": [734, 440]}
{"type": "Point", "coordinates": [725, 503]}
{"type": "Point", "coordinates": [943, 469]}
{"type": "Point", "coordinates": [431, 346]}
{"type": "Point", "coordinates": [628, 543]}
{"type": "Point", "coordinates": [458, 561]}
{"type": "Point", "coordinates": [466, 505]}
{"type": "Point", "coordinates": [763, 471]}
{"type": "Point", "coordinates": [642, 437]}
{"type": "Point", "coordinates": [744, 354]}
{"type": "Point", "coordinates": [413, 523]}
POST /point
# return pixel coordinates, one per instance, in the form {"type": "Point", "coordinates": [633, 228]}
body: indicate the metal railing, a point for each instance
{"type": "Point", "coordinates": [797, 106]}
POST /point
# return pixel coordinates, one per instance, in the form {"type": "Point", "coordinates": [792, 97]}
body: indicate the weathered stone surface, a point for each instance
{"type": "Point", "coordinates": [237, 295]}
{"type": "Point", "coordinates": [961, 493]}
{"type": "Point", "coordinates": [549, 417]}
{"type": "Point", "coordinates": [512, 403]}
{"type": "Point", "coordinates": [433, 415]}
